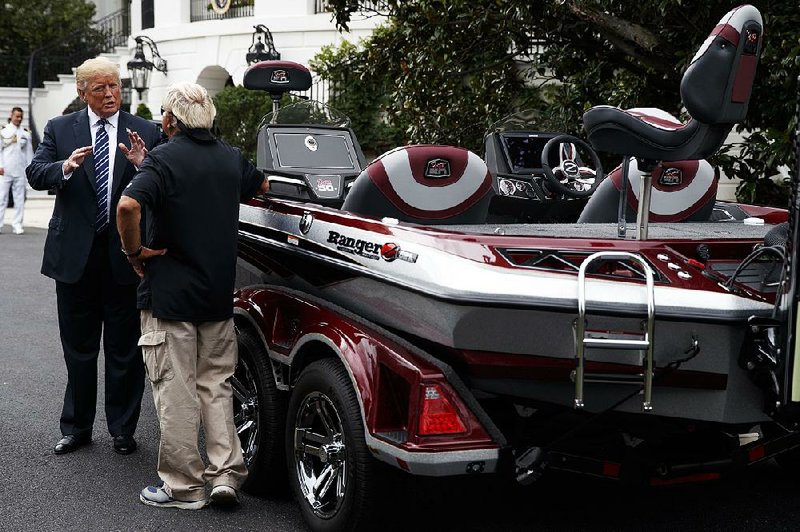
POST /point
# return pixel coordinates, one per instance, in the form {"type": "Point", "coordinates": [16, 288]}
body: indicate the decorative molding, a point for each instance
{"type": "Point", "coordinates": [221, 6]}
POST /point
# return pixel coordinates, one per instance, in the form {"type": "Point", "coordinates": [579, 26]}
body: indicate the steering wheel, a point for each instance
{"type": "Point", "coordinates": [576, 181]}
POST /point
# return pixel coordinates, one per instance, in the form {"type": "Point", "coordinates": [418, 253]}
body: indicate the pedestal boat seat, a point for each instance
{"type": "Point", "coordinates": [682, 191]}
{"type": "Point", "coordinates": [715, 90]}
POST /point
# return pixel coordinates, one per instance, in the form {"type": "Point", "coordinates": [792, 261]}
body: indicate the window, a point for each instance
{"type": "Point", "coordinates": [148, 14]}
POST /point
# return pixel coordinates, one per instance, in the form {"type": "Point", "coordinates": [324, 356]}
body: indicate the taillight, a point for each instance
{"type": "Point", "coordinates": [438, 415]}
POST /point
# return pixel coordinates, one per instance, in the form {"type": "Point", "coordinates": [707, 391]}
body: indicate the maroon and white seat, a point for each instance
{"type": "Point", "coordinates": [426, 184]}
{"type": "Point", "coordinates": [682, 191]}
{"type": "Point", "coordinates": [715, 90]}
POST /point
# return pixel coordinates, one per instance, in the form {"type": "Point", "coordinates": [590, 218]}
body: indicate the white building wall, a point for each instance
{"type": "Point", "coordinates": [11, 97]}
{"type": "Point", "coordinates": [207, 52]}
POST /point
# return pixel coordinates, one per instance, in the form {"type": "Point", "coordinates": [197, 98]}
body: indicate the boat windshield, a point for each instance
{"type": "Point", "coordinates": [519, 121]}
{"type": "Point", "coordinates": [307, 112]}
{"type": "Point", "coordinates": [532, 120]}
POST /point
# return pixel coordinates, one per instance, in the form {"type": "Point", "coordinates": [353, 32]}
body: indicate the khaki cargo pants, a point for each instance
{"type": "Point", "coordinates": [189, 366]}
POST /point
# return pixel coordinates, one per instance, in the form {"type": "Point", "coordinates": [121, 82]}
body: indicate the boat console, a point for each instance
{"type": "Point", "coordinates": [519, 161]}
{"type": "Point", "coordinates": [317, 162]}
{"type": "Point", "coordinates": [309, 163]}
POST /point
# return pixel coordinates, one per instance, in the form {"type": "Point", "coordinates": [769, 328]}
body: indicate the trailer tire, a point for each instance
{"type": "Point", "coordinates": [325, 446]}
{"type": "Point", "coordinates": [259, 414]}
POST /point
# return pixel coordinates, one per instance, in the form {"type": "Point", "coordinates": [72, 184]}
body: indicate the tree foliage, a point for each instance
{"type": "Point", "coordinates": [142, 111]}
{"type": "Point", "coordinates": [353, 92]}
{"type": "Point", "coordinates": [239, 111]}
{"type": "Point", "coordinates": [449, 68]}
{"type": "Point", "coordinates": [75, 105]}
{"type": "Point", "coordinates": [60, 29]}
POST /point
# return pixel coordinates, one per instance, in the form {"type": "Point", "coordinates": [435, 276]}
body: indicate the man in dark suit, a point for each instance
{"type": "Point", "coordinates": [95, 285]}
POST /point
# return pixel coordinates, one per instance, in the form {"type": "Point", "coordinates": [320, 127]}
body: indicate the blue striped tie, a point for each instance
{"type": "Point", "coordinates": [101, 175]}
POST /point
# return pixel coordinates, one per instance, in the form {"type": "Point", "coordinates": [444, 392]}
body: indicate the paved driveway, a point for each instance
{"type": "Point", "coordinates": [92, 488]}
{"type": "Point", "coordinates": [96, 489]}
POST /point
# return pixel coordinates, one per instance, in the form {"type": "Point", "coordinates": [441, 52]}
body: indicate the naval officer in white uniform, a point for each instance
{"type": "Point", "coordinates": [16, 153]}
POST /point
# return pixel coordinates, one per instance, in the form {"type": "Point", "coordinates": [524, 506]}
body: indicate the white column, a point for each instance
{"type": "Point", "coordinates": [172, 13]}
{"type": "Point", "coordinates": [136, 17]}
{"type": "Point", "coordinates": [134, 101]}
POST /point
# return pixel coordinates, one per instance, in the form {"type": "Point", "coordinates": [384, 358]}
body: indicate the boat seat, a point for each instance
{"type": "Point", "coordinates": [682, 191]}
{"type": "Point", "coordinates": [425, 184]}
{"type": "Point", "coordinates": [715, 90]}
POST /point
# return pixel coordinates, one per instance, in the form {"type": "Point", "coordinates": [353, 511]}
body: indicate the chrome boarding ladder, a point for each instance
{"type": "Point", "coordinates": [644, 344]}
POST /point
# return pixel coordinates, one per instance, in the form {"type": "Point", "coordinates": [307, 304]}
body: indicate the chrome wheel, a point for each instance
{"type": "Point", "coordinates": [245, 408]}
{"type": "Point", "coordinates": [259, 414]}
{"type": "Point", "coordinates": [320, 454]}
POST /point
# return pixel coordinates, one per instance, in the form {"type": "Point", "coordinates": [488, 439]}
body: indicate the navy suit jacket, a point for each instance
{"type": "Point", "coordinates": [71, 232]}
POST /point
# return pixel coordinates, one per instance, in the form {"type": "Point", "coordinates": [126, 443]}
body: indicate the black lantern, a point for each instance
{"type": "Point", "coordinates": [140, 67]}
{"type": "Point", "coordinates": [261, 51]}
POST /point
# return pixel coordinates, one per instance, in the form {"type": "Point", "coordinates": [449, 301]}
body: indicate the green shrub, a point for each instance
{"type": "Point", "coordinates": [143, 111]}
{"type": "Point", "coordinates": [363, 97]}
{"type": "Point", "coordinates": [239, 111]}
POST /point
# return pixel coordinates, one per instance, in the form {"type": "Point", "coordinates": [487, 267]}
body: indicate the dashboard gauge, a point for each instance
{"type": "Point", "coordinates": [507, 187]}
{"type": "Point", "coordinates": [529, 191]}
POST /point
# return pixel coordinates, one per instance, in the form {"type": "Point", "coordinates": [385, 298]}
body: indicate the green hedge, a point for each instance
{"type": "Point", "coordinates": [239, 111]}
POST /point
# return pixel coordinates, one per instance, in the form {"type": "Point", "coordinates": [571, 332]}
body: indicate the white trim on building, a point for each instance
{"type": "Point", "coordinates": [208, 52]}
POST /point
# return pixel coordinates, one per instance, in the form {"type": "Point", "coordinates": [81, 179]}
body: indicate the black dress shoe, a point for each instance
{"type": "Point", "coordinates": [124, 444]}
{"type": "Point", "coordinates": [71, 442]}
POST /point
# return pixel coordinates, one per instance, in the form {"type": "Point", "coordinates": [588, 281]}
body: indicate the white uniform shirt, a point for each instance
{"type": "Point", "coordinates": [16, 150]}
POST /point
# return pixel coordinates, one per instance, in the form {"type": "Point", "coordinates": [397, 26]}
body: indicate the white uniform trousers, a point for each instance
{"type": "Point", "coordinates": [17, 184]}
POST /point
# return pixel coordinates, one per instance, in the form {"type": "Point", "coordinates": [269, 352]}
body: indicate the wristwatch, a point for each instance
{"type": "Point", "coordinates": [133, 254]}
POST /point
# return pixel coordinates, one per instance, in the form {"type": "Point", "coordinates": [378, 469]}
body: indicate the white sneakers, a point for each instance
{"type": "Point", "coordinates": [157, 496]}
{"type": "Point", "coordinates": [224, 496]}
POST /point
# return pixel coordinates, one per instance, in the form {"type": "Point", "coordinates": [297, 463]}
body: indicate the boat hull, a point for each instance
{"type": "Point", "coordinates": [516, 348]}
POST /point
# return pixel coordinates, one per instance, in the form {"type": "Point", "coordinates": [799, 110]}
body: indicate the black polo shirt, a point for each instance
{"type": "Point", "coordinates": [191, 191]}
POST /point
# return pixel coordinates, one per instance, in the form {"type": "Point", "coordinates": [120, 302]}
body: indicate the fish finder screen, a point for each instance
{"type": "Point", "coordinates": [524, 152]}
{"type": "Point", "coordinates": [314, 150]}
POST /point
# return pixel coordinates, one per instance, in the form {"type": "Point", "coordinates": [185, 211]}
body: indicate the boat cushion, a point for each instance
{"type": "Point", "coordinates": [423, 183]}
{"type": "Point", "coordinates": [681, 191]}
{"type": "Point", "coordinates": [277, 77]}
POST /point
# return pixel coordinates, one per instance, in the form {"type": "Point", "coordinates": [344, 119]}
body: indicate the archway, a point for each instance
{"type": "Point", "coordinates": [214, 78]}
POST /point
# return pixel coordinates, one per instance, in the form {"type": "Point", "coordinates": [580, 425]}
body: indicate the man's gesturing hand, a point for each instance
{"type": "Point", "coordinates": [75, 159]}
{"type": "Point", "coordinates": [135, 154]}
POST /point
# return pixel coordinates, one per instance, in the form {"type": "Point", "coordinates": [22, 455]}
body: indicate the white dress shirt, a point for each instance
{"type": "Point", "coordinates": [111, 129]}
